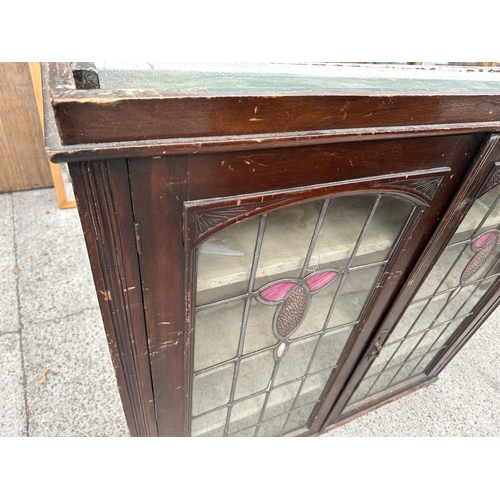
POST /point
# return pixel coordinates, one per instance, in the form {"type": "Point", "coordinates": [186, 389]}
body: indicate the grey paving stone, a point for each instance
{"type": "Point", "coordinates": [80, 396]}
{"type": "Point", "coordinates": [55, 278]}
{"type": "Point", "coordinates": [8, 293]}
{"type": "Point", "coordinates": [12, 402]}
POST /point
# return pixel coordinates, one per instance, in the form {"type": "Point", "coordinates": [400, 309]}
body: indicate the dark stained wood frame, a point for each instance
{"type": "Point", "coordinates": [102, 194]}
{"type": "Point", "coordinates": [213, 215]}
{"type": "Point", "coordinates": [163, 183]}
{"type": "Point", "coordinates": [143, 160]}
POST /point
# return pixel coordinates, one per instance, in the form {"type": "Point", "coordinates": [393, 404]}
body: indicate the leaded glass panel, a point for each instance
{"type": "Point", "coordinates": [462, 276]}
{"type": "Point", "coordinates": [270, 336]}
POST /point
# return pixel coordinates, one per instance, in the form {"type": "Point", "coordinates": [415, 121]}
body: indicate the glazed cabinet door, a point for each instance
{"type": "Point", "coordinates": [280, 295]}
{"type": "Point", "coordinates": [262, 295]}
{"type": "Point", "coordinates": [454, 285]}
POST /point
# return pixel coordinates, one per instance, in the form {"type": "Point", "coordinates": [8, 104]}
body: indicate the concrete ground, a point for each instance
{"type": "Point", "coordinates": [57, 377]}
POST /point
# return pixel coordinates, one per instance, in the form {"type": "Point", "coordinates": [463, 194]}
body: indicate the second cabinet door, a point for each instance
{"type": "Point", "coordinates": [455, 279]}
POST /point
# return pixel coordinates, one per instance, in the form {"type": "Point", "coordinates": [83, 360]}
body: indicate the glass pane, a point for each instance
{"type": "Point", "coordinates": [299, 417]}
{"type": "Point", "coordinates": [385, 356]}
{"type": "Point", "coordinates": [438, 277]}
{"type": "Point", "coordinates": [357, 288]}
{"type": "Point", "coordinates": [447, 333]}
{"type": "Point", "coordinates": [224, 262]}
{"type": "Point", "coordinates": [254, 374]}
{"type": "Point", "coordinates": [455, 276]}
{"type": "Point", "coordinates": [383, 380]}
{"type": "Point", "coordinates": [281, 399]}
{"type": "Point", "coordinates": [273, 426]}
{"type": "Point", "coordinates": [251, 78]}
{"type": "Point", "coordinates": [286, 240]}
{"type": "Point", "coordinates": [387, 222]}
{"type": "Point", "coordinates": [405, 324]}
{"type": "Point", "coordinates": [434, 335]}
{"type": "Point", "coordinates": [331, 347]}
{"type": "Point", "coordinates": [313, 387]}
{"type": "Point", "coordinates": [405, 371]}
{"type": "Point", "coordinates": [426, 361]}
{"type": "Point", "coordinates": [259, 332]}
{"type": "Point", "coordinates": [405, 350]}
{"type": "Point", "coordinates": [483, 215]}
{"type": "Point", "coordinates": [212, 388]}
{"type": "Point", "coordinates": [217, 334]}
{"type": "Point", "coordinates": [210, 425]}
{"type": "Point", "coordinates": [460, 279]}
{"type": "Point", "coordinates": [296, 361]}
{"type": "Point", "coordinates": [362, 390]}
{"type": "Point", "coordinates": [250, 432]}
{"type": "Point", "coordinates": [344, 221]}
{"type": "Point", "coordinates": [246, 413]}
{"type": "Point", "coordinates": [435, 310]}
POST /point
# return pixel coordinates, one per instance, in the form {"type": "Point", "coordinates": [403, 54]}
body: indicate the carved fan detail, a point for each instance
{"type": "Point", "coordinates": [427, 188]}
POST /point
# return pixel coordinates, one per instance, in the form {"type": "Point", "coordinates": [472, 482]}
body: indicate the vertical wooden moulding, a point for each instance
{"type": "Point", "coordinates": [159, 187]}
{"type": "Point", "coordinates": [103, 198]}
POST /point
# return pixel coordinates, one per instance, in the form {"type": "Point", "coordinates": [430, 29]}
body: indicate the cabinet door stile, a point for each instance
{"type": "Point", "coordinates": [159, 187]}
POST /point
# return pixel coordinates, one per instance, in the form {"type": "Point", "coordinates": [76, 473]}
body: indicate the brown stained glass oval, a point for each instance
{"type": "Point", "coordinates": [289, 315]}
{"type": "Point", "coordinates": [479, 259]}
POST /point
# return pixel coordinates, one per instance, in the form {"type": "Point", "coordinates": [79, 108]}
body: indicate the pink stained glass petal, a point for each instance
{"type": "Point", "coordinates": [483, 239]}
{"type": "Point", "coordinates": [277, 291]}
{"type": "Point", "coordinates": [320, 280]}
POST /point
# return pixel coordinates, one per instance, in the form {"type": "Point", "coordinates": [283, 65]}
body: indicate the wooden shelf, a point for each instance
{"type": "Point", "coordinates": [287, 239]}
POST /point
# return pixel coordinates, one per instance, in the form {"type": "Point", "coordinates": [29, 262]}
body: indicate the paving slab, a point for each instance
{"type": "Point", "coordinates": [9, 318]}
{"type": "Point", "coordinates": [71, 386]}
{"type": "Point", "coordinates": [52, 258]}
{"type": "Point", "coordinates": [12, 401]}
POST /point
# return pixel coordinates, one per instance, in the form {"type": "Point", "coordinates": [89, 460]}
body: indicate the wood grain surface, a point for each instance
{"type": "Point", "coordinates": [23, 164]}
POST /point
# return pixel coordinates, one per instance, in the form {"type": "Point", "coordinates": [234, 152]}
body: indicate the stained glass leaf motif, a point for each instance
{"type": "Point", "coordinates": [293, 298]}
{"type": "Point", "coordinates": [276, 292]}
{"type": "Point", "coordinates": [318, 281]}
{"type": "Point", "coordinates": [483, 245]}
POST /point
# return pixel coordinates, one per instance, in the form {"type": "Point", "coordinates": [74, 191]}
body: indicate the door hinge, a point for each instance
{"type": "Point", "coordinates": [138, 244]}
{"type": "Point", "coordinates": [377, 347]}
{"type": "Point", "coordinates": [375, 351]}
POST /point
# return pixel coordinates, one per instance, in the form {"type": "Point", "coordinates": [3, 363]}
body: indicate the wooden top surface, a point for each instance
{"type": "Point", "coordinates": [243, 79]}
{"type": "Point", "coordinates": [151, 109]}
